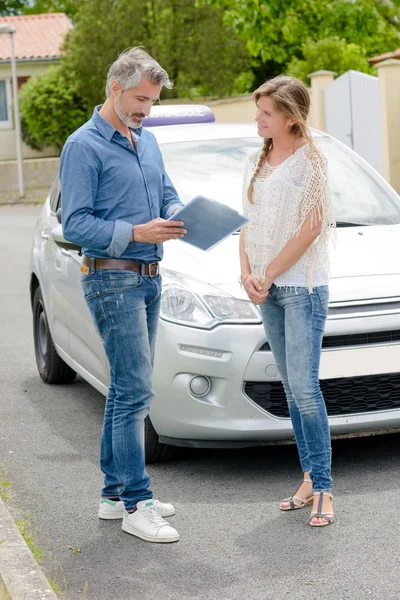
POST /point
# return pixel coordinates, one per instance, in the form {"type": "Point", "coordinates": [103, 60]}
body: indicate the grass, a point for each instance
{"type": "Point", "coordinates": [5, 492]}
{"type": "Point", "coordinates": [28, 533]}
{"type": "Point", "coordinates": [34, 540]}
{"type": "Point", "coordinates": [4, 595]}
{"type": "Point", "coordinates": [45, 558]}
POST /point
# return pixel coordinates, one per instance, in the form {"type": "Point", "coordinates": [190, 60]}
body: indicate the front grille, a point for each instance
{"type": "Point", "coordinates": [344, 396]}
{"type": "Point", "coordinates": [354, 339]}
{"type": "Point", "coordinates": [361, 339]}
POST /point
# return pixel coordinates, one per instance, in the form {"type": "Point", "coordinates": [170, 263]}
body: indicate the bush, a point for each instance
{"type": "Point", "coordinates": [332, 54]}
{"type": "Point", "coordinates": [27, 136]}
{"type": "Point", "coordinates": [51, 109]}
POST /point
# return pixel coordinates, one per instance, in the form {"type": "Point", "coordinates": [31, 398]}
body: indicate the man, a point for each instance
{"type": "Point", "coordinates": [116, 197]}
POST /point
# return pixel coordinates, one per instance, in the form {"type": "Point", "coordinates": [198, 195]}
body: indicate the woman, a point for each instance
{"type": "Point", "coordinates": [285, 269]}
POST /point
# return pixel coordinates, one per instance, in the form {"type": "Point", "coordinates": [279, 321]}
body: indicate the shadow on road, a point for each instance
{"type": "Point", "coordinates": [75, 413]}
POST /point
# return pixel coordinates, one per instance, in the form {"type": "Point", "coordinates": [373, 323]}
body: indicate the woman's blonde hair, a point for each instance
{"type": "Point", "coordinates": [292, 99]}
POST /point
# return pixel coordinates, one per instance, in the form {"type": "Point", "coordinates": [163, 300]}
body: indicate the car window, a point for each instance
{"type": "Point", "coordinates": [360, 196]}
{"type": "Point", "coordinates": [215, 168]}
{"type": "Point", "coordinates": [54, 196]}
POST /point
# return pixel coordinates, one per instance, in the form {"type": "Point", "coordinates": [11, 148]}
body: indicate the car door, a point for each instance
{"type": "Point", "coordinates": [85, 347]}
{"type": "Point", "coordinates": [49, 264]}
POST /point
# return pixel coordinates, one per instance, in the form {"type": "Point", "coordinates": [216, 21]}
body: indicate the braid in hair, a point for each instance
{"type": "Point", "coordinates": [261, 159]}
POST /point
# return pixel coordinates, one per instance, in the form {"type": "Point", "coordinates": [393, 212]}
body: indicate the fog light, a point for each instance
{"type": "Point", "coordinates": [200, 385]}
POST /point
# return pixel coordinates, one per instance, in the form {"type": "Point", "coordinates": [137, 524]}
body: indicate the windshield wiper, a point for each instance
{"type": "Point", "coordinates": [346, 224]}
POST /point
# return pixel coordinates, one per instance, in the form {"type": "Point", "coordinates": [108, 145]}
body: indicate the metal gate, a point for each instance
{"type": "Point", "coordinates": [352, 114]}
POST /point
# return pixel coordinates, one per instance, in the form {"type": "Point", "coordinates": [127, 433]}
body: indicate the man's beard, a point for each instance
{"type": "Point", "coordinates": [125, 117]}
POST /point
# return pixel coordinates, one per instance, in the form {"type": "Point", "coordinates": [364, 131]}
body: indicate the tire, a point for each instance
{"type": "Point", "coordinates": [155, 451]}
{"type": "Point", "coordinates": [52, 369]}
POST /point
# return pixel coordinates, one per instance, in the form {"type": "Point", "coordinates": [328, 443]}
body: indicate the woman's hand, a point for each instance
{"type": "Point", "coordinates": [266, 284]}
{"type": "Point", "coordinates": [255, 290]}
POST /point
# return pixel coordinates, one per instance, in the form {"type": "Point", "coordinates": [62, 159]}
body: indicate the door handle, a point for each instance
{"type": "Point", "coordinates": [65, 252]}
{"type": "Point", "coordinates": [44, 235]}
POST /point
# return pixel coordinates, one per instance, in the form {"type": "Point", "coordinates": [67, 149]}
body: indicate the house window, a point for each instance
{"type": "Point", "coordinates": [3, 102]}
{"type": "Point", "coordinates": [5, 117]}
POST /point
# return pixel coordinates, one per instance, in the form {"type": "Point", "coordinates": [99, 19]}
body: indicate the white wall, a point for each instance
{"type": "Point", "coordinates": [7, 135]}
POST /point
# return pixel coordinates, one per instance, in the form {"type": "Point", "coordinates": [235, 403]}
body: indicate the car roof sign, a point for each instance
{"type": "Point", "coordinates": [178, 114]}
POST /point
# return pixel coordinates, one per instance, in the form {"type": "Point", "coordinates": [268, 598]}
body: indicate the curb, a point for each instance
{"type": "Point", "coordinates": [22, 576]}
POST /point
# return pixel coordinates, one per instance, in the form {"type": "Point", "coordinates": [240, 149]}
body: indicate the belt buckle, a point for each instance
{"type": "Point", "coordinates": [153, 269]}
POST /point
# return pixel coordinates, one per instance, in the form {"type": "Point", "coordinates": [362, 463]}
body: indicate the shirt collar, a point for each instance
{"type": "Point", "coordinates": [107, 130]}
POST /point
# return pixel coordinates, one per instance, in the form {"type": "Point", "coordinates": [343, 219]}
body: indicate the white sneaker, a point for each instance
{"type": "Point", "coordinates": [111, 509]}
{"type": "Point", "coordinates": [147, 524]}
{"type": "Point", "coordinates": [164, 509]}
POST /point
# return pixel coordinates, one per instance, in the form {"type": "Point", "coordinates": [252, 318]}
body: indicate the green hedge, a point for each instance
{"type": "Point", "coordinates": [51, 109]}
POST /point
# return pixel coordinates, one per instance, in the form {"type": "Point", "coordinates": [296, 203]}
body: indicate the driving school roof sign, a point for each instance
{"type": "Point", "coordinates": [179, 114]}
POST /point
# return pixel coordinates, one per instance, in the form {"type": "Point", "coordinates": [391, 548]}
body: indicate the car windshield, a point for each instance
{"type": "Point", "coordinates": [214, 168]}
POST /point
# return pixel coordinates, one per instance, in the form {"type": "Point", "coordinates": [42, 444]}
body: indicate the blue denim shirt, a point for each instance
{"type": "Point", "coordinates": [107, 187]}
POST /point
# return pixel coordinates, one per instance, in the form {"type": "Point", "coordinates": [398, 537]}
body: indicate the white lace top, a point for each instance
{"type": "Point", "coordinates": [284, 196]}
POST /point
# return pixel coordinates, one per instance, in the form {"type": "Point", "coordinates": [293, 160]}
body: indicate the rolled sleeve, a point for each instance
{"type": "Point", "coordinates": [170, 200]}
{"type": "Point", "coordinates": [171, 209]}
{"type": "Point", "coordinates": [120, 239]}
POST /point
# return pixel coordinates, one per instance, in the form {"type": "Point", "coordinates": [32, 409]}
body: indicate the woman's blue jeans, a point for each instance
{"type": "Point", "coordinates": [294, 322]}
{"type": "Point", "coordinates": [125, 309]}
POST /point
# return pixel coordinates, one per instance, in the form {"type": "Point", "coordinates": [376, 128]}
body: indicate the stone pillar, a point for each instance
{"type": "Point", "coordinates": [319, 81]}
{"type": "Point", "coordinates": [389, 90]}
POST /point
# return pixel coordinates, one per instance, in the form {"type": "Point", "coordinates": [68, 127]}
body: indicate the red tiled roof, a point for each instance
{"type": "Point", "coordinates": [37, 36]}
{"type": "Point", "coordinates": [376, 59]}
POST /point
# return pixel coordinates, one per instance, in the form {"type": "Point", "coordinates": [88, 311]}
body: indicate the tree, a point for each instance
{"type": "Point", "coordinates": [201, 55]}
{"type": "Point", "coordinates": [70, 7]}
{"type": "Point", "coordinates": [27, 7]}
{"type": "Point", "coordinates": [11, 7]}
{"type": "Point", "coordinates": [333, 54]}
{"type": "Point", "coordinates": [275, 30]}
{"type": "Point", "coordinates": [51, 109]}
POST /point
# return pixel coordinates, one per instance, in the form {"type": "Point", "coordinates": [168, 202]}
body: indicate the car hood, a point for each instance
{"type": "Point", "coordinates": [365, 263]}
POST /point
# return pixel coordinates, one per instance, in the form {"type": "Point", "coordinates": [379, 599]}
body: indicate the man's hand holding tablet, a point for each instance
{"type": "Point", "coordinates": [208, 222]}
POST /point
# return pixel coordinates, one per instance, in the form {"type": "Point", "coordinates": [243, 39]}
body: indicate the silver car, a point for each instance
{"type": "Point", "coordinates": [215, 379]}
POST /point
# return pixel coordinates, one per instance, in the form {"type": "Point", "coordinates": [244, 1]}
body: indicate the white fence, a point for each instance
{"type": "Point", "coordinates": [352, 115]}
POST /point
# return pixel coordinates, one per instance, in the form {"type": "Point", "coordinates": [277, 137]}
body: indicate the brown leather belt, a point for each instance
{"type": "Point", "coordinates": [122, 264]}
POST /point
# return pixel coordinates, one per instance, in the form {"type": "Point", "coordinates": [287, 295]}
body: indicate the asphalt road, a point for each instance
{"type": "Point", "coordinates": [235, 543]}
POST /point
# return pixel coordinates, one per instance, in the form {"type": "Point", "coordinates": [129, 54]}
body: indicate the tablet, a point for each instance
{"type": "Point", "coordinates": [208, 222]}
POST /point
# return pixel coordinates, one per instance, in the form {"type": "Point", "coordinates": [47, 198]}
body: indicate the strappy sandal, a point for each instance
{"type": "Point", "coordinates": [327, 516]}
{"type": "Point", "coordinates": [302, 502]}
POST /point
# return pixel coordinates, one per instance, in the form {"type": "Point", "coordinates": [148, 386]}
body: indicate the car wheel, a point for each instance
{"type": "Point", "coordinates": [155, 451]}
{"type": "Point", "coordinates": [52, 369]}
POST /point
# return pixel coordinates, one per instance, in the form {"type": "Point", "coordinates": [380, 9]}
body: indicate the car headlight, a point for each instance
{"type": "Point", "coordinates": [190, 302]}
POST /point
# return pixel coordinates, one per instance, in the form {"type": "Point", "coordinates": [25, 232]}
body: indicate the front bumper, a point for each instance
{"type": "Point", "coordinates": [230, 356]}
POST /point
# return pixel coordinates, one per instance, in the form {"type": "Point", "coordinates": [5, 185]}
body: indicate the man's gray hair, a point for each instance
{"type": "Point", "coordinates": [131, 65]}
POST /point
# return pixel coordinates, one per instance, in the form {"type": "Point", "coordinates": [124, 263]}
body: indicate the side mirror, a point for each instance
{"type": "Point", "coordinates": [58, 238]}
{"type": "Point", "coordinates": [58, 215]}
